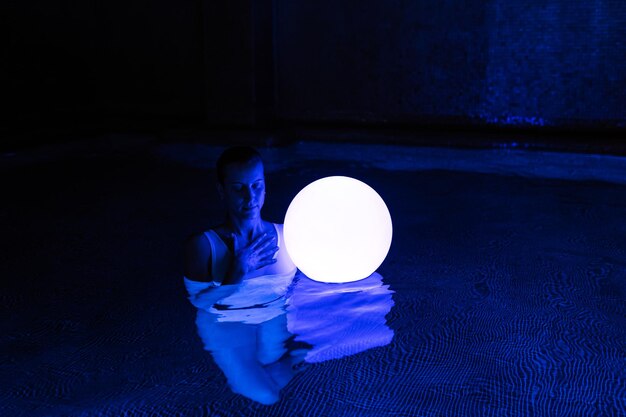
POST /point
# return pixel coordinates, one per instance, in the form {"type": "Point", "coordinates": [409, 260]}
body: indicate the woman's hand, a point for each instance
{"type": "Point", "coordinates": [258, 254]}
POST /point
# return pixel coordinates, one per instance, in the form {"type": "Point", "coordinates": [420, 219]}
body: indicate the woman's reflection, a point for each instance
{"type": "Point", "coordinates": [260, 339]}
{"type": "Point", "coordinates": [244, 327]}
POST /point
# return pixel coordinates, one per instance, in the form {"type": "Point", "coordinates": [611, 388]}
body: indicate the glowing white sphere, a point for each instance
{"type": "Point", "coordinates": [337, 229]}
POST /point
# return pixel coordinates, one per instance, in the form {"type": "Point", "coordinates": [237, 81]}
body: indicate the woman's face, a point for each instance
{"type": "Point", "coordinates": [243, 190]}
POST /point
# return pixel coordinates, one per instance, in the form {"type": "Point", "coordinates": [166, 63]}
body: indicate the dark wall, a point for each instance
{"type": "Point", "coordinates": [502, 62]}
{"type": "Point", "coordinates": [101, 62]}
{"type": "Point", "coordinates": [238, 46]}
{"type": "Point", "coordinates": [151, 62]}
{"type": "Point", "coordinates": [253, 62]}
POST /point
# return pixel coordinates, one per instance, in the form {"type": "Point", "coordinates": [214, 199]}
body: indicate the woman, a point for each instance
{"type": "Point", "coordinates": [244, 246]}
{"type": "Point", "coordinates": [237, 276]}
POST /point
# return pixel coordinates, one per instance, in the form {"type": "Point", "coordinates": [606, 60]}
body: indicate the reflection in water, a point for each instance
{"type": "Point", "coordinates": [263, 331]}
{"type": "Point", "coordinates": [339, 320]}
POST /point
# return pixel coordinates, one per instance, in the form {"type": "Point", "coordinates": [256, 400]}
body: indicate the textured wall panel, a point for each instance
{"type": "Point", "coordinates": [502, 62]}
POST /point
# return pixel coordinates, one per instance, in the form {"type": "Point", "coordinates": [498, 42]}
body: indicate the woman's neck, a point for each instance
{"type": "Point", "coordinates": [248, 229]}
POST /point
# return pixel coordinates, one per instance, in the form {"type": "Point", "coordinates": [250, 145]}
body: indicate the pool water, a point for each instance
{"type": "Point", "coordinates": [260, 341]}
{"type": "Point", "coordinates": [503, 294]}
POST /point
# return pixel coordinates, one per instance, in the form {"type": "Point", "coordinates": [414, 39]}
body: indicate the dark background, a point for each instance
{"type": "Point", "coordinates": [508, 267]}
{"type": "Point", "coordinates": [83, 67]}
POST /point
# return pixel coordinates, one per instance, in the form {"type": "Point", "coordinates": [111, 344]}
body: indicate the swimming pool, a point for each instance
{"type": "Point", "coordinates": [503, 292]}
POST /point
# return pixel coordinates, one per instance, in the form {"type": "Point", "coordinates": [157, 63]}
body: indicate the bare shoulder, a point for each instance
{"type": "Point", "coordinates": [196, 239]}
{"type": "Point", "coordinates": [197, 254]}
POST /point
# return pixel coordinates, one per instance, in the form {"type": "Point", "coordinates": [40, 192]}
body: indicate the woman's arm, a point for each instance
{"type": "Point", "coordinates": [197, 254]}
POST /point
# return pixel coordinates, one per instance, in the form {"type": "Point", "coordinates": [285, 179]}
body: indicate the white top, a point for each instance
{"type": "Point", "coordinates": [263, 289]}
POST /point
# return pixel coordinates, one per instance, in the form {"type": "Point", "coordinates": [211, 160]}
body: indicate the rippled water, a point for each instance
{"type": "Point", "coordinates": [503, 294]}
{"type": "Point", "coordinates": [260, 342]}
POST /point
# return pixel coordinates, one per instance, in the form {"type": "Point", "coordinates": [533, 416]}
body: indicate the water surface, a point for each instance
{"type": "Point", "coordinates": [508, 272]}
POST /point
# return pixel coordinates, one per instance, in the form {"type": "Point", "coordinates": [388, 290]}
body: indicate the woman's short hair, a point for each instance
{"type": "Point", "coordinates": [239, 155]}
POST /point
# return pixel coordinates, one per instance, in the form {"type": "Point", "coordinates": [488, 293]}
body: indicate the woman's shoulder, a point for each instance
{"type": "Point", "coordinates": [197, 253]}
{"type": "Point", "coordinates": [200, 242]}
{"type": "Point", "coordinates": [197, 240]}
{"type": "Point", "coordinates": [275, 226]}
{"type": "Point", "coordinates": [221, 231]}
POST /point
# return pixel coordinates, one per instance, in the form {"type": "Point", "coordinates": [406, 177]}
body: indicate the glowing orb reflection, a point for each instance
{"type": "Point", "coordinates": [337, 229]}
